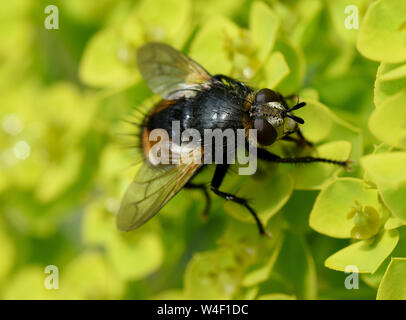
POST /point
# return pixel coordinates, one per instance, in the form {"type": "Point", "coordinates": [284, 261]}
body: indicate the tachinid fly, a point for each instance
{"type": "Point", "coordinates": [199, 101]}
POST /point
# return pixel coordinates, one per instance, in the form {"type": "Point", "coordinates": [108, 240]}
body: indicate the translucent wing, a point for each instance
{"type": "Point", "coordinates": [168, 72]}
{"type": "Point", "coordinates": [151, 189]}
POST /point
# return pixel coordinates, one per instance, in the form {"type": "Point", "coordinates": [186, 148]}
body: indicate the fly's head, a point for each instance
{"type": "Point", "coordinates": [271, 117]}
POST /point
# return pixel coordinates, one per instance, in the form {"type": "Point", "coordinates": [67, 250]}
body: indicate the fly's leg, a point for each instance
{"type": "Point", "coordinates": [291, 139]}
{"type": "Point", "coordinates": [202, 187]}
{"type": "Point", "coordinates": [301, 141]}
{"type": "Point", "coordinates": [219, 174]}
{"type": "Point", "coordinates": [268, 156]}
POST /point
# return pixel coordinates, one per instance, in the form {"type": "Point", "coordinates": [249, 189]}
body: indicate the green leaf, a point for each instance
{"type": "Point", "coordinates": [397, 73]}
{"type": "Point", "coordinates": [394, 198]}
{"type": "Point", "coordinates": [204, 9]}
{"type": "Point", "coordinates": [393, 284]}
{"type": "Point", "coordinates": [307, 12]}
{"type": "Point", "coordinates": [135, 255]}
{"type": "Point", "coordinates": [88, 11]}
{"type": "Point", "coordinates": [390, 79]}
{"type": "Point", "coordinates": [319, 121]}
{"type": "Point", "coordinates": [388, 122]}
{"type": "Point", "coordinates": [258, 275]}
{"type": "Point", "coordinates": [382, 35]}
{"type": "Point", "coordinates": [297, 210]}
{"type": "Point", "coordinates": [309, 93]}
{"type": "Point", "coordinates": [393, 223]}
{"type": "Point", "coordinates": [264, 25]}
{"type": "Point", "coordinates": [387, 170]}
{"type": "Point", "coordinates": [339, 15]}
{"type": "Point", "coordinates": [108, 61]}
{"type": "Point", "coordinates": [7, 253]}
{"type": "Point", "coordinates": [98, 226]}
{"type": "Point", "coordinates": [330, 212]}
{"type": "Point", "coordinates": [375, 279]}
{"type": "Point", "coordinates": [59, 176]}
{"type": "Point", "coordinates": [250, 248]}
{"type": "Point", "coordinates": [300, 275]}
{"type": "Point", "coordinates": [89, 276]}
{"type": "Point", "coordinates": [164, 20]}
{"type": "Point", "coordinates": [366, 255]}
{"type": "Point", "coordinates": [212, 275]}
{"type": "Point", "coordinates": [276, 69]}
{"type": "Point", "coordinates": [250, 293]}
{"type": "Point", "coordinates": [295, 60]}
{"type": "Point", "coordinates": [31, 277]}
{"type": "Point", "coordinates": [321, 124]}
{"type": "Point", "coordinates": [213, 45]}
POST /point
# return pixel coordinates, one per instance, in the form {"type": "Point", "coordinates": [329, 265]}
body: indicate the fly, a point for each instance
{"type": "Point", "coordinates": [200, 101]}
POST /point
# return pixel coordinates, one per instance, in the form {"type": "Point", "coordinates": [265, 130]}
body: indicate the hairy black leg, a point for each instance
{"type": "Point", "coordinates": [268, 156]}
{"type": "Point", "coordinates": [202, 187]}
{"type": "Point", "coordinates": [301, 136]}
{"type": "Point", "coordinates": [301, 141]}
{"type": "Point", "coordinates": [219, 174]}
{"type": "Point", "coordinates": [289, 138]}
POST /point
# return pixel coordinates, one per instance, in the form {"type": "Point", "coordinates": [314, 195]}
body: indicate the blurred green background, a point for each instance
{"type": "Point", "coordinates": [65, 160]}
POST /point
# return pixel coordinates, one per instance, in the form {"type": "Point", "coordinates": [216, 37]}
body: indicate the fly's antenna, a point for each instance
{"type": "Point", "coordinates": [297, 119]}
{"type": "Point", "coordinates": [295, 107]}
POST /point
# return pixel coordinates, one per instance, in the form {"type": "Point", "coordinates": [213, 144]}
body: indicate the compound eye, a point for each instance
{"type": "Point", "coordinates": [266, 95]}
{"type": "Point", "coordinates": [266, 133]}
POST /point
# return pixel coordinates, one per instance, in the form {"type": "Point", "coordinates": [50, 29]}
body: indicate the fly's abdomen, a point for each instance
{"type": "Point", "coordinates": [214, 115]}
